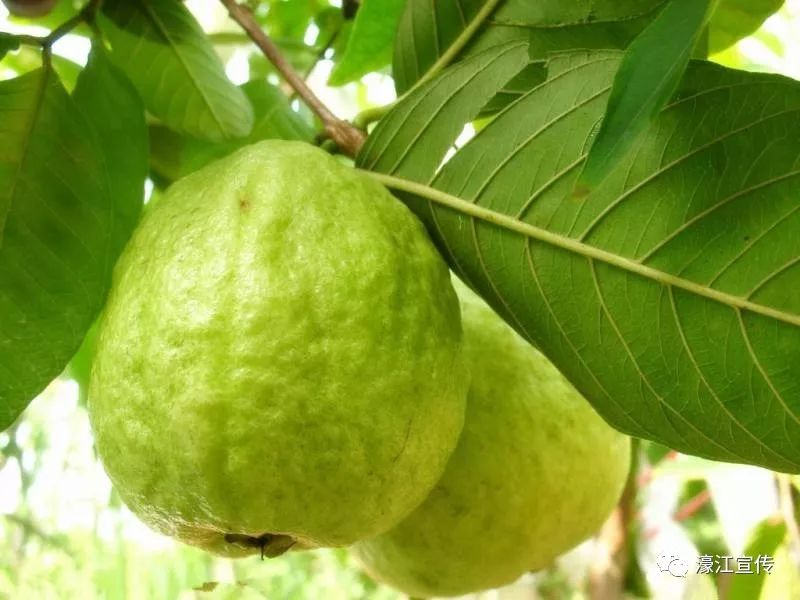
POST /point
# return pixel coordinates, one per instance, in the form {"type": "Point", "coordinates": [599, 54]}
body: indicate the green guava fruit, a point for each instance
{"type": "Point", "coordinates": [279, 363]}
{"type": "Point", "coordinates": [535, 472]}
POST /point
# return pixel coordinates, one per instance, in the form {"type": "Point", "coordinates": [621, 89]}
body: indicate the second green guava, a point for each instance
{"type": "Point", "coordinates": [536, 471]}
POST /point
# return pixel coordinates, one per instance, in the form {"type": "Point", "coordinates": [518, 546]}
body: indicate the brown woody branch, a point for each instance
{"type": "Point", "coordinates": [347, 137]}
{"type": "Point", "coordinates": [692, 506]}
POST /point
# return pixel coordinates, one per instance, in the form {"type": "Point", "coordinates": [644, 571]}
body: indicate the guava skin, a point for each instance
{"type": "Point", "coordinates": [536, 471]}
{"type": "Point", "coordinates": [279, 363]}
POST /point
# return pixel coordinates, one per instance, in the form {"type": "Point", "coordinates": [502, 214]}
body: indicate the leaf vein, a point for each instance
{"type": "Point", "coordinates": [702, 379]}
{"type": "Point", "coordinates": [642, 377]}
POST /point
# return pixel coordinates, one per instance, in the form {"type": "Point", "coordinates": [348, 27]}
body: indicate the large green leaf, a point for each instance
{"type": "Point", "coordinates": [111, 105]}
{"type": "Point", "coordinates": [163, 51]}
{"type": "Point", "coordinates": [669, 295]}
{"type": "Point", "coordinates": [735, 19]}
{"type": "Point", "coordinates": [173, 155]}
{"type": "Point", "coordinates": [370, 44]}
{"type": "Point", "coordinates": [647, 77]}
{"type": "Point", "coordinates": [57, 234]}
{"type": "Point", "coordinates": [436, 31]}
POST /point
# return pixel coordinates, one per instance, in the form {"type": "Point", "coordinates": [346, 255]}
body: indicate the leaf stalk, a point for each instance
{"type": "Point", "coordinates": [376, 113]}
{"type": "Point", "coordinates": [574, 246]}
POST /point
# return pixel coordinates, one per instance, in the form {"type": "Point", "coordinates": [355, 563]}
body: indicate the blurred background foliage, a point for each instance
{"type": "Point", "coordinates": [65, 534]}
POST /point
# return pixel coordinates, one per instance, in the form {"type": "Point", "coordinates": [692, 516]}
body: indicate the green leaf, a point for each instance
{"type": "Point", "coordinates": [8, 43]}
{"type": "Point", "coordinates": [432, 33]}
{"type": "Point", "coordinates": [656, 453]}
{"type": "Point", "coordinates": [28, 59]}
{"type": "Point", "coordinates": [668, 296]}
{"type": "Point", "coordinates": [765, 540]}
{"type": "Point", "coordinates": [56, 240]}
{"type": "Point", "coordinates": [784, 581]}
{"type": "Point", "coordinates": [163, 51]}
{"type": "Point", "coordinates": [736, 19]}
{"type": "Point", "coordinates": [527, 79]}
{"type": "Point", "coordinates": [370, 45]}
{"type": "Point", "coordinates": [24, 60]}
{"type": "Point", "coordinates": [289, 19]}
{"type": "Point", "coordinates": [441, 107]}
{"type": "Point", "coordinates": [115, 112]}
{"type": "Point", "coordinates": [173, 156]}
{"type": "Point", "coordinates": [647, 78]}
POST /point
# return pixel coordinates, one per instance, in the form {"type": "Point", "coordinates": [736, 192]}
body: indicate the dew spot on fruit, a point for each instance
{"type": "Point", "coordinates": [244, 204]}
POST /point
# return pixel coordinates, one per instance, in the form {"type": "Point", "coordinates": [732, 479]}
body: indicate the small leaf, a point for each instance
{"type": "Point", "coordinates": [173, 156]}
{"type": "Point", "coordinates": [765, 540]}
{"type": "Point", "coordinates": [24, 60]}
{"type": "Point", "coordinates": [736, 19]}
{"type": "Point", "coordinates": [287, 19]}
{"type": "Point", "coordinates": [784, 580]}
{"type": "Point", "coordinates": [647, 78]}
{"type": "Point", "coordinates": [56, 223]}
{"type": "Point", "coordinates": [370, 45]}
{"type": "Point", "coordinates": [8, 43]}
{"type": "Point", "coordinates": [164, 52]}
{"type": "Point", "coordinates": [207, 586]}
{"type": "Point", "coordinates": [443, 110]}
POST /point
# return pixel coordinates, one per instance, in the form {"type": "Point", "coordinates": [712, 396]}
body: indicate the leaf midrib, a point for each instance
{"type": "Point", "coordinates": [580, 248]}
{"type": "Point", "coordinates": [150, 14]}
{"type": "Point", "coordinates": [452, 51]}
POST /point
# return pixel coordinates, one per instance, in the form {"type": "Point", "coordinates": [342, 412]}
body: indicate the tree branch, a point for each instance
{"type": "Point", "coordinates": [347, 137]}
{"type": "Point", "coordinates": [31, 528]}
{"type": "Point", "coordinates": [692, 506]}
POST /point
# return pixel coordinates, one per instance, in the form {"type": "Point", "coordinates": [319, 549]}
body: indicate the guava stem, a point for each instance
{"type": "Point", "coordinates": [270, 544]}
{"type": "Point", "coordinates": [347, 137]}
